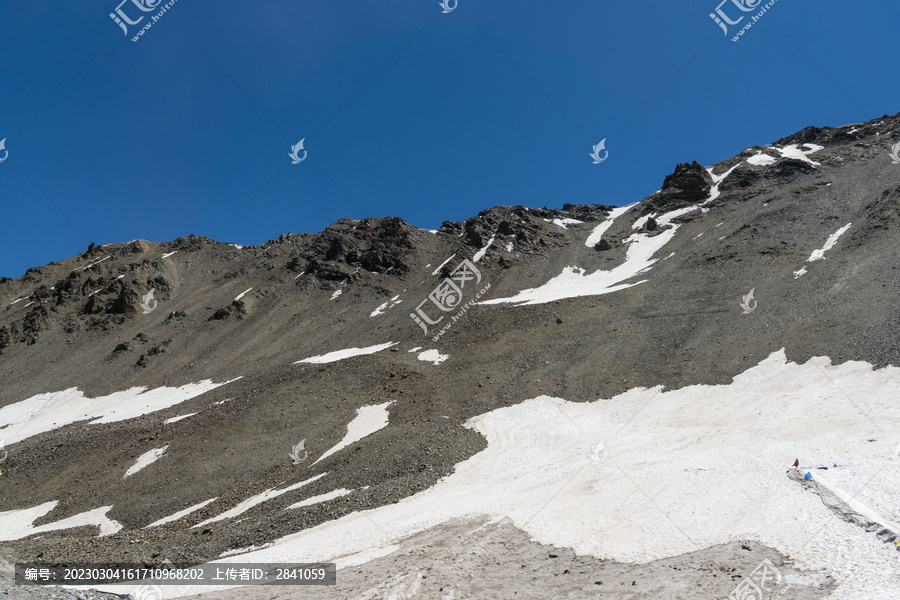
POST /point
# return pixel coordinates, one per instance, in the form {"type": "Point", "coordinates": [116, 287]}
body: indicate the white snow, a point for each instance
{"type": "Point", "coordinates": [717, 179]}
{"type": "Point", "coordinates": [642, 221]}
{"type": "Point", "coordinates": [145, 459]}
{"type": "Point", "coordinates": [389, 304]}
{"type": "Point", "coordinates": [433, 356]}
{"type": "Point", "coordinates": [415, 349]}
{"type": "Point", "coordinates": [346, 353]}
{"type": "Point", "coordinates": [180, 514]}
{"type": "Point", "coordinates": [509, 246]}
{"type": "Point", "coordinates": [368, 420]}
{"type": "Point", "coordinates": [761, 159]}
{"type": "Point", "coordinates": [819, 254]}
{"type": "Point", "coordinates": [564, 222]}
{"type": "Point", "coordinates": [17, 524]}
{"type": "Point", "coordinates": [336, 293]}
{"type": "Point", "coordinates": [320, 498]}
{"type": "Point", "coordinates": [241, 295]}
{"type": "Point", "coordinates": [178, 418]}
{"type": "Point", "coordinates": [441, 266]}
{"type": "Point", "coordinates": [168, 254]}
{"type": "Point", "coordinates": [19, 300]}
{"type": "Point", "coordinates": [257, 500]}
{"type": "Point", "coordinates": [857, 506]}
{"type": "Point", "coordinates": [480, 254]}
{"type": "Point", "coordinates": [92, 264]}
{"type": "Point", "coordinates": [651, 497]}
{"type": "Point", "coordinates": [238, 246]}
{"type": "Point", "coordinates": [45, 412]}
{"type": "Point", "coordinates": [574, 282]}
{"type": "Point", "coordinates": [794, 151]}
{"type": "Point", "coordinates": [829, 244]}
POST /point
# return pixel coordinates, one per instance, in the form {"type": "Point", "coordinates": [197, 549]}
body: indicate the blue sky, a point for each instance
{"type": "Point", "coordinates": [405, 110]}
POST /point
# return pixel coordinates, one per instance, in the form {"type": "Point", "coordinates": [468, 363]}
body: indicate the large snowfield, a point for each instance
{"type": "Point", "coordinates": [677, 471]}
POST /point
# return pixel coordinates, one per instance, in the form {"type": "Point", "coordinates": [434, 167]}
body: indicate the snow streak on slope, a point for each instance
{"type": "Point", "coordinates": [257, 500]}
{"type": "Point", "coordinates": [145, 459]}
{"type": "Point", "coordinates": [46, 412]}
{"type": "Point", "coordinates": [564, 222]}
{"type": "Point", "coordinates": [820, 253]}
{"type": "Point", "coordinates": [320, 498]}
{"type": "Point", "coordinates": [573, 281]}
{"type": "Point", "coordinates": [180, 514]}
{"type": "Point", "coordinates": [829, 244]}
{"type": "Point", "coordinates": [368, 420]}
{"type": "Point", "coordinates": [17, 524]}
{"type": "Point", "coordinates": [600, 229]}
{"type": "Point", "coordinates": [684, 470]}
{"type": "Point", "coordinates": [480, 254]}
{"type": "Point", "coordinates": [346, 353]}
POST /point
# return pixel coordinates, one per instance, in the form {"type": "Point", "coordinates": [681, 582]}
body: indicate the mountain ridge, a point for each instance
{"type": "Point", "coordinates": [664, 311]}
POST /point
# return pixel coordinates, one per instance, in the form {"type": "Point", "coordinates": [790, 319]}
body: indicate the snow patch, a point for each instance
{"type": "Point", "coordinates": [17, 524]}
{"type": "Point", "coordinates": [144, 460]}
{"type": "Point", "coordinates": [564, 222]}
{"type": "Point", "coordinates": [794, 151]}
{"type": "Point", "coordinates": [389, 304]}
{"type": "Point", "coordinates": [574, 282]}
{"type": "Point", "coordinates": [761, 160]}
{"type": "Point", "coordinates": [257, 500]}
{"type": "Point", "coordinates": [178, 418]}
{"type": "Point", "coordinates": [600, 229]}
{"type": "Point", "coordinates": [346, 353]}
{"type": "Point", "coordinates": [480, 254]}
{"type": "Point", "coordinates": [168, 254]}
{"type": "Point", "coordinates": [320, 498]}
{"type": "Point", "coordinates": [242, 294]}
{"type": "Point", "coordinates": [829, 244]}
{"type": "Point", "coordinates": [180, 514]}
{"type": "Point", "coordinates": [433, 356]}
{"type": "Point", "coordinates": [368, 420]}
{"type": "Point", "coordinates": [441, 266]}
{"type": "Point", "coordinates": [336, 294]}
{"type": "Point", "coordinates": [45, 412]}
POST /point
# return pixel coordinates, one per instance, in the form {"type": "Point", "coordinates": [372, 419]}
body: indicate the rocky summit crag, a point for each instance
{"type": "Point", "coordinates": [220, 312]}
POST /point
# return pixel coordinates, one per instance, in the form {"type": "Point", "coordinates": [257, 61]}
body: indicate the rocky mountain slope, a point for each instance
{"type": "Point", "coordinates": [100, 353]}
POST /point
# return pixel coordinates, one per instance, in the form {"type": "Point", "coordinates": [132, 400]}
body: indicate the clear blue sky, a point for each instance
{"type": "Point", "coordinates": [405, 110]}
